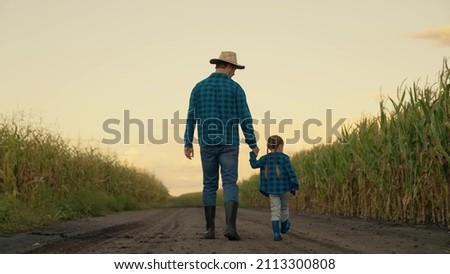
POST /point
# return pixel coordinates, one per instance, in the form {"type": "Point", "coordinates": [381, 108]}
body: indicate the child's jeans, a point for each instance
{"type": "Point", "coordinates": [279, 207]}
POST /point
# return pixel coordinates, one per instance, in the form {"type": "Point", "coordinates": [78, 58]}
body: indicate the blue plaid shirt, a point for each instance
{"type": "Point", "coordinates": [273, 184]}
{"type": "Point", "coordinates": [218, 106]}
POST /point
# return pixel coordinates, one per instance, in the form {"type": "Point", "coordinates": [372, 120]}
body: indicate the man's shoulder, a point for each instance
{"type": "Point", "coordinates": [216, 77]}
{"type": "Point", "coordinates": [203, 81]}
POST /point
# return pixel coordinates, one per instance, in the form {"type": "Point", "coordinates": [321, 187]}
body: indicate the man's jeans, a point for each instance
{"type": "Point", "coordinates": [225, 157]}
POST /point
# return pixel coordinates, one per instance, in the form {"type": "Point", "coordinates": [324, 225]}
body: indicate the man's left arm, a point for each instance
{"type": "Point", "coordinates": [246, 122]}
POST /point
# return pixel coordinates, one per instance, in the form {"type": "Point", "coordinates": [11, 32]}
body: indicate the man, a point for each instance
{"type": "Point", "coordinates": [218, 107]}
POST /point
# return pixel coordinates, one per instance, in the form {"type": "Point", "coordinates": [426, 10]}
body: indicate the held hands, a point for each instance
{"type": "Point", "coordinates": [256, 151]}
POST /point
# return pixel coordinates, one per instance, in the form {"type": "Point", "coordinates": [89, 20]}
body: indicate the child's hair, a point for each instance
{"type": "Point", "coordinates": [273, 143]}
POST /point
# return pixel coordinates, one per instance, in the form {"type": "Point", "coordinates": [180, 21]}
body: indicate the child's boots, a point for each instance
{"type": "Point", "coordinates": [276, 231]}
{"type": "Point", "coordinates": [285, 226]}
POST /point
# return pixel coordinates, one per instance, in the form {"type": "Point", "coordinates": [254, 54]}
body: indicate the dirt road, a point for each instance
{"type": "Point", "coordinates": [178, 231]}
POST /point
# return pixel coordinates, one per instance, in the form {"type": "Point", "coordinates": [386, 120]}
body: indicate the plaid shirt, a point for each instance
{"type": "Point", "coordinates": [272, 184]}
{"type": "Point", "coordinates": [218, 105]}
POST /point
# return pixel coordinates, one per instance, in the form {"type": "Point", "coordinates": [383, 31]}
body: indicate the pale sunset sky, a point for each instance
{"type": "Point", "coordinates": [74, 64]}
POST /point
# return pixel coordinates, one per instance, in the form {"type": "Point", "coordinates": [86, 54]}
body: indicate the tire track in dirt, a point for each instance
{"type": "Point", "coordinates": [83, 243]}
{"type": "Point", "coordinates": [179, 231]}
{"type": "Point", "coordinates": [308, 244]}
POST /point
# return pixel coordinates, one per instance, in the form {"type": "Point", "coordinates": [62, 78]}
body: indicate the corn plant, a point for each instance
{"type": "Point", "coordinates": [44, 179]}
{"type": "Point", "coordinates": [394, 166]}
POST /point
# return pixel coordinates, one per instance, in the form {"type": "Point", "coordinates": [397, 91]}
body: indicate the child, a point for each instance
{"type": "Point", "coordinates": [277, 179]}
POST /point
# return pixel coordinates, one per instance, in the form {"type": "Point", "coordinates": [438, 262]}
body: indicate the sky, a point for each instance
{"type": "Point", "coordinates": [75, 66]}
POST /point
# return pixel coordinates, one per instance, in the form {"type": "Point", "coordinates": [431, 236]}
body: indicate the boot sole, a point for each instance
{"type": "Point", "coordinates": [232, 237]}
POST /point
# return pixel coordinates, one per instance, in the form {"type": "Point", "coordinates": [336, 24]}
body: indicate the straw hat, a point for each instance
{"type": "Point", "coordinates": [228, 57]}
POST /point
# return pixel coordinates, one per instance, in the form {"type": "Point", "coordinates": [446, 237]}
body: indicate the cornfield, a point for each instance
{"type": "Point", "coordinates": [395, 166]}
{"type": "Point", "coordinates": [43, 179]}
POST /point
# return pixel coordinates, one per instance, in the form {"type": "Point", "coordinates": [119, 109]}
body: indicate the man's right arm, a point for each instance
{"type": "Point", "coordinates": [190, 123]}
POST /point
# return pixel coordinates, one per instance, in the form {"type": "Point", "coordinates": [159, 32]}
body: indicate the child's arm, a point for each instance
{"type": "Point", "coordinates": [254, 163]}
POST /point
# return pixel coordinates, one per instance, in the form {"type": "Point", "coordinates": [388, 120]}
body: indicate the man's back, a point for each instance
{"type": "Point", "coordinates": [218, 105]}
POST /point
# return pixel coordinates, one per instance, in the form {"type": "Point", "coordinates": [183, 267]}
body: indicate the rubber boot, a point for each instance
{"type": "Point", "coordinates": [276, 231]}
{"type": "Point", "coordinates": [210, 215]}
{"type": "Point", "coordinates": [285, 226]}
{"type": "Point", "coordinates": [231, 208]}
